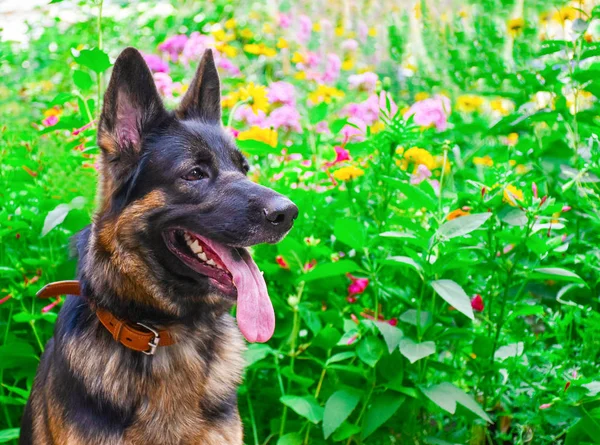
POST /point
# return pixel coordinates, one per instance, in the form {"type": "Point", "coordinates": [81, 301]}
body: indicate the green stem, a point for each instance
{"type": "Point", "coordinates": [99, 24]}
{"type": "Point", "coordinates": [37, 337]}
{"type": "Point", "coordinates": [251, 412]}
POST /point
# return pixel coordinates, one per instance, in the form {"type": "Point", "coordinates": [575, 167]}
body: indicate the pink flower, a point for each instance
{"type": "Point", "coordinates": [284, 20]}
{"type": "Point", "coordinates": [393, 321]}
{"type": "Point", "coordinates": [310, 265]}
{"type": "Point", "coordinates": [228, 66]}
{"type": "Point", "coordinates": [421, 174]}
{"type": "Point", "coordinates": [51, 305]}
{"type": "Point", "coordinates": [363, 31]}
{"type": "Point", "coordinates": [477, 303]}
{"type": "Point", "coordinates": [354, 132]}
{"type": "Point", "coordinates": [50, 121]}
{"type": "Point", "coordinates": [364, 82]}
{"type": "Point", "coordinates": [332, 68]}
{"type": "Point", "coordinates": [432, 111]}
{"type": "Point", "coordinates": [357, 285]}
{"type": "Point", "coordinates": [282, 262]}
{"type": "Point", "coordinates": [286, 117]}
{"type": "Point", "coordinates": [352, 339]}
{"type": "Point", "coordinates": [234, 132]}
{"type": "Point", "coordinates": [194, 48]}
{"type": "Point", "coordinates": [282, 93]}
{"type": "Point", "coordinates": [155, 63]}
{"type": "Point", "coordinates": [305, 31]}
{"type": "Point", "coordinates": [545, 405]}
{"type": "Point", "coordinates": [534, 189]}
{"type": "Point", "coordinates": [82, 129]}
{"type": "Point", "coordinates": [5, 299]}
{"type": "Point", "coordinates": [245, 114]}
{"type": "Point", "coordinates": [341, 155]}
{"type": "Point", "coordinates": [173, 46]}
{"type": "Point", "coordinates": [350, 45]}
{"type": "Point", "coordinates": [565, 209]}
{"type": "Point", "coordinates": [322, 127]}
{"type": "Point", "coordinates": [164, 84]}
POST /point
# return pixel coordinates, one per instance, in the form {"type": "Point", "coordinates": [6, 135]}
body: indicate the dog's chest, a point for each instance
{"type": "Point", "coordinates": [191, 398]}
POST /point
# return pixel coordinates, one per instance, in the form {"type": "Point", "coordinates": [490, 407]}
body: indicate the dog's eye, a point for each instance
{"type": "Point", "coordinates": [194, 175]}
{"type": "Point", "coordinates": [245, 168]}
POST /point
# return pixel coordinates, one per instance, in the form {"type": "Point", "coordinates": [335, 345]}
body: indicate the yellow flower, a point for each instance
{"type": "Point", "coordinates": [347, 65]}
{"type": "Point", "coordinates": [372, 31]}
{"type": "Point", "coordinates": [421, 96]}
{"type": "Point", "coordinates": [317, 27]}
{"type": "Point", "coordinates": [324, 93]}
{"type": "Point", "coordinates": [221, 36]}
{"type": "Point", "coordinates": [512, 139]}
{"type": "Point", "coordinates": [402, 163]}
{"type": "Point", "coordinates": [226, 49]}
{"type": "Point", "coordinates": [259, 49]}
{"type": "Point", "coordinates": [230, 100]}
{"type": "Point", "coordinates": [544, 17]}
{"type": "Point", "coordinates": [456, 214]}
{"type": "Point", "coordinates": [282, 43]}
{"type": "Point", "coordinates": [486, 161]}
{"type": "Point", "coordinates": [255, 133]}
{"type": "Point", "coordinates": [246, 34]}
{"type": "Point", "coordinates": [300, 75]}
{"type": "Point", "coordinates": [515, 26]}
{"type": "Point", "coordinates": [54, 111]}
{"type": "Point", "coordinates": [348, 173]}
{"type": "Point", "coordinates": [565, 13]}
{"type": "Point", "coordinates": [512, 195]}
{"type": "Point", "coordinates": [400, 150]}
{"type": "Point", "coordinates": [420, 156]}
{"type": "Point", "coordinates": [339, 31]}
{"type": "Point", "coordinates": [267, 28]}
{"type": "Point", "coordinates": [298, 58]}
{"type": "Point", "coordinates": [377, 127]}
{"type": "Point", "coordinates": [469, 103]}
{"type": "Point", "coordinates": [501, 106]}
{"type": "Point", "coordinates": [256, 95]}
{"type": "Point", "coordinates": [230, 24]}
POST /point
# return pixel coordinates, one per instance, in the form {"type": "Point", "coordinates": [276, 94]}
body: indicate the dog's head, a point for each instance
{"type": "Point", "coordinates": [175, 196]}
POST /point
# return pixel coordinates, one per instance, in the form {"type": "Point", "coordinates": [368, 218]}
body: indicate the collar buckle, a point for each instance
{"type": "Point", "coordinates": [152, 344]}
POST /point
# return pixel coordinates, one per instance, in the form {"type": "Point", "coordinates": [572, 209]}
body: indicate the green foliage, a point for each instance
{"type": "Point", "coordinates": [440, 285]}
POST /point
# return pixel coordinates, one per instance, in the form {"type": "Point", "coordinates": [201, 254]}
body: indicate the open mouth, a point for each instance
{"type": "Point", "coordinates": [233, 271]}
{"type": "Point", "coordinates": [195, 253]}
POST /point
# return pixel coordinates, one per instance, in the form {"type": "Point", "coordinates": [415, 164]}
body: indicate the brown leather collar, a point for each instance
{"type": "Point", "coordinates": [144, 340]}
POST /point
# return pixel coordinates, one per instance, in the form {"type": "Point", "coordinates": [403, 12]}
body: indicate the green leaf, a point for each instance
{"type": "Point", "coordinates": [463, 225]}
{"type": "Point", "coordinates": [318, 113]}
{"type": "Point", "coordinates": [82, 80]}
{"type": "Point", "coordinates": [370, 350]}
{"type": "Point", "coordinates": [414, 195]}
{"type": "Point", "coordinates": [557, 274]}
{"type": "Point", "coordinates": [345, 431]}
{"type": "Point", "coordinates": [55, 217]}
{"type": "Point", "coordinates": [19, 391]}
{"type": "Point", "coordinates": [256, 352]}
{"type": "Point", "coordinates": [337, 409]}
{"type": "Point", "coordinates": [306, 406]}
{"type": "Point", "coordinates": [339, 357]}
{"type": "Point", "coordinates": [404, 260]}
{"type": "Point", "coordinates": [393, 234]}
{"type": "Point", "coordinates": [391, 334]}
{"type": "Point", "coordinates": [94, 59]}
{"type": "Point", "coordinates": [512, 350]}
{"type": "Point", "coordinates": [257, 148]}
{"type": "Point", "coordinates": [290, 439]}
{"type": "Point", "coordinates": [454, 295]}
{"type": "Point", "coordinates": [350, 232]}
{"type": "Point", "coordinates": [410, 317]}
{"type": "Point", "coordinates": [446, 396]}
{"type": "Point", "coordinates": [9, 434]}
{"type": "Point", "coordinates": [514, 217]}
{"type": "Point", "coordinates": [416, 351]}
{"type": "Point", "coordinates": [383, 407]}
{"type": "Point", "coordinates": [330, 270]}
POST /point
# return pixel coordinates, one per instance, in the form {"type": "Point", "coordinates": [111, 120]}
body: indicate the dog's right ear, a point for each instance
{"type": "Point", "coordinates": [131, 106]}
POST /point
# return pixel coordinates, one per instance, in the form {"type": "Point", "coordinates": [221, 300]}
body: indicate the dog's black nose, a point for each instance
{"type": "Point", "coordinates": [281, 212]}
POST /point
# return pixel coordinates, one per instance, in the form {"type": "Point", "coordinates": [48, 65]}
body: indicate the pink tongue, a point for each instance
{"type": "Point", "coordinates": [255, 315]}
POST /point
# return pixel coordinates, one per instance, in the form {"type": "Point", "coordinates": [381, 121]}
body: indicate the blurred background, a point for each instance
{"type": "Point", "coordinates": [440, 285]}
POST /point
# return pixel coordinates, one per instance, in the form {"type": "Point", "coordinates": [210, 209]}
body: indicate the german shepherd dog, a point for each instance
{"type": "Point", "coordinates": [164, 258]}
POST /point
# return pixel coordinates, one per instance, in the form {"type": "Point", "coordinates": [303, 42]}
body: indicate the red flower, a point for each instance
{"type": "Point", "coordinates": [5, 299]}
{"type": "Point", "coordinates": [393, 321]}
{"type": "Point", "coordinates": [310, 265]}
{"type": "Point", "coordinates": [357, 286]}
{"type": "Point", "coordinates": [341, 155]}
{"type": "Point", "coordinates": [477, 303]}
{"type": "Point", "coordinates": [282, 262]}
{"type": "Point", "coordinates": [51, 306]}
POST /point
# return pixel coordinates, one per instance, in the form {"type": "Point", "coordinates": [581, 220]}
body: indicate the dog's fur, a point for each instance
{"type": "Point", "coordinates": [90, 389]}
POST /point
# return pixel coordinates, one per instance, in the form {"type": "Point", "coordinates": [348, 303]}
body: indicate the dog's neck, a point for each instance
{"type": "Point", "coordinates": [115, 282]}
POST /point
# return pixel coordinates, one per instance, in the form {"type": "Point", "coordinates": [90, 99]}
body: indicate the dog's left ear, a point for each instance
{"type": "Point", "coordinates": [132, 107]}
{"type": "Point", "coordinates": [203, 98]}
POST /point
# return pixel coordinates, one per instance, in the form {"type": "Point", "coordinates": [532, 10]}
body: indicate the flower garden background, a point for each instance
{"type": "Point", "coordinates": [441, 283]}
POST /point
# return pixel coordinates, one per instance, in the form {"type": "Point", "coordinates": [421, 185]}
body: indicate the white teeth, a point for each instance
{"type": "Point", "coordinates": [201, 255]}
{"type": "Point", "coordinates": [211, 263]}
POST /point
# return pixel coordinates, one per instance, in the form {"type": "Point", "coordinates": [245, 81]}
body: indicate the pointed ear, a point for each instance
{"type": "Point", "coordinates": [203, 98]}
{"type": "Point", "coordinates": [131, 106]}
